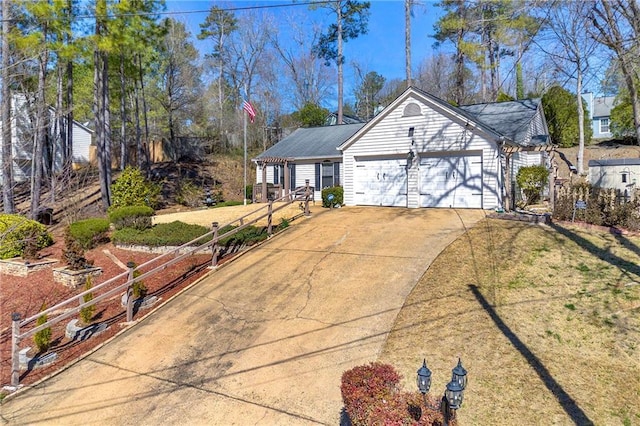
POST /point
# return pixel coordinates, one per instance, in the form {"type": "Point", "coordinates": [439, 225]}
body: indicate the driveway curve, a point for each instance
{"type": "Point", "coordinates": [262, 340]}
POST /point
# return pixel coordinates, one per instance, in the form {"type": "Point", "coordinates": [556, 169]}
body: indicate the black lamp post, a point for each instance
{"type": "Point", "coordinates": [453, 394]}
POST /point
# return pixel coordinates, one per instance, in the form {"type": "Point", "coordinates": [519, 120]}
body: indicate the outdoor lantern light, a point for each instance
{"type": "Point", "coordinates": [459, 375]}
{"type": "Point", "coordinates": [424, 378]}
{"type": "Point", "coordinates": [453, 394]}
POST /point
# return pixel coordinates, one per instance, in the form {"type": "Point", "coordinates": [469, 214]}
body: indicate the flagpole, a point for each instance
{"type": "Point", "coordinates": [244, 188]}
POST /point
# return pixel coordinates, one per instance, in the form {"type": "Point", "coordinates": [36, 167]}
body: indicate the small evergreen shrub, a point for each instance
{"type": "Point", "coordinates": [73, 252]}
{"type": "Point", "coordinates": [42, 338]}
{"type": "Point", "coordinates": [284, 223]}
{"type": "Point", "coordinates": [133, 189]}
{"type": "Point", "coordinates": [86, 313]}
{"type": "Point", "coordinates": [137, 217]}
{"type": "Point", "coordinates": [139, 289]}
{"type": "Point", "coordinates": [90, 233]}
{"type": "Point", "coordinates": [338, 196]}
{"type": "Point", "coordinates": [163, 234]}
{"type": "Point", "coordinates": [18, 234]}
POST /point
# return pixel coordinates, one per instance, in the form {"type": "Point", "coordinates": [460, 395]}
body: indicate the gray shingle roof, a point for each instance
{"type": "Point", "coordinates": [602, 106]}
{"type": "Point", "coordinates": [312, 142]}
{"type": "Point", "coordinates": [510, 119]}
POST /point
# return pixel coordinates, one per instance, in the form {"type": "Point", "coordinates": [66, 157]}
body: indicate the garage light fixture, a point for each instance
{"type": "Point", "coordinates": [453, 394]}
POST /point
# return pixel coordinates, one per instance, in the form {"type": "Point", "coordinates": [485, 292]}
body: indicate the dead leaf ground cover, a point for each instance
{"type": "Point", "coordinates": [545, 318]}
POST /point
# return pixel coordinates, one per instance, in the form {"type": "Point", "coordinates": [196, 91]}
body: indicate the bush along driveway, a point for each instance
{"type": "Point", "coordinates": [263, 339]}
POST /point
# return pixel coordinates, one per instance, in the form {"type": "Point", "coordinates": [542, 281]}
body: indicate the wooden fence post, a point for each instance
{"type": "Point", "coordinates": [214, 246]}
{"type": "Point", "coordinates": [270, 219]}
{"type": "Point", "coordinates": [131, 267]}
{"type": "Point", "coordinates": [307, 195]}
{"type": "Point", "coordinates": [15, 350]}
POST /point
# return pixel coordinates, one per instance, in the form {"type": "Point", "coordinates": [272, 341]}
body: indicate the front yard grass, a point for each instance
{"type": "Point", "coordinates": [545, 319]}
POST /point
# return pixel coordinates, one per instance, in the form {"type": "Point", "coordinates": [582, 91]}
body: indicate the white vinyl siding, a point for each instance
{"type": "Point", "coordinates": [436, 131]}
{"type": "Point", "coordinates": [304, 171]}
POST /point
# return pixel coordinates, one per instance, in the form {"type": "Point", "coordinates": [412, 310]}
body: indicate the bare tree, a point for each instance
{"type": "Point", "coordinates": [568, 24]}
{"type": "Point", "coordinates": [617, 24]}
{"type": "Point", "coordinates": [310, 81]}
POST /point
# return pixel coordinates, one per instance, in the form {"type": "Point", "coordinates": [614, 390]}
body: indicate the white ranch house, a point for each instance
{"type": "Point", "coordinates": [419, 151]}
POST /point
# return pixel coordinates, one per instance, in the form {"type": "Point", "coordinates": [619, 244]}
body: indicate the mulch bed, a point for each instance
{"type": "Point", "coordinates": [26, 296]}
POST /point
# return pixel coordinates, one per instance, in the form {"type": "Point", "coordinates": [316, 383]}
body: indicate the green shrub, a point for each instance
{"type": "Point", "coordinates": [531, 180]}
{"type": "Point", "coordinates": [284, 223]}
{"type": "Point", "coordinates": [133, 189]}
{"type": "Point", "coordinates": [42, 338]}
{"type": "Point", "coordinates": [137, 217]}
{"type": "Point", "coordinates": [338, 196]}
{"type": "Point", "coordinates": [228, 203]}
{"type": "Point", "coordinates": [163, 234]}
{"type": "Point", "coordinates": [248, 192]}
{"type": "Point", "coordinates": [18, 234]}
{"type": "Point", "coordinates": [249, 236]}
{"type": "Point", "coordinates": [189, 194]}
{"type": "Point", "coordinates": [90, 233]}
{"type": "Point", "coordinates": [139, 289]}
{"type": "Point", "coordinates": [86, 313]}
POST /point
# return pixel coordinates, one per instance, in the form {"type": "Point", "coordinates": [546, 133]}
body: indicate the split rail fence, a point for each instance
{"type": "Point", "coordinates": [111, 288]}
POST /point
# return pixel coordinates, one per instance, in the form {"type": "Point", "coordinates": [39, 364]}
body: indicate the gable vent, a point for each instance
{"type": "Point", "coordinates": [411, 110]}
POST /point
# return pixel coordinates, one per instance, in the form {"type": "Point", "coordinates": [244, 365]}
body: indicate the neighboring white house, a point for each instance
{"type": "Point", "coordinates": [420, 151]}
{"type": "Point", "coordinates": [600, 114]}
{"type": "Point", "coordinates": [22, 137]}
{"type": "Point", "coordinates": [622, 174]}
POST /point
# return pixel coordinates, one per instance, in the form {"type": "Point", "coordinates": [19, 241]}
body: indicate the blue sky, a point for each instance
{"type": "Point", "coordinates": [380, 50]}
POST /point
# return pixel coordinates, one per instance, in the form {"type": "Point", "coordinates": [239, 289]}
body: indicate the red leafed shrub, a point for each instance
{"type": "Point", "coordinates": [364, 385]}
{"type": "Point", "coordinates": [372, 396]}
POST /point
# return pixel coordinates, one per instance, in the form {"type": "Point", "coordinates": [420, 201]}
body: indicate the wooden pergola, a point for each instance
{"type": "Point", "coordinates": [264, 162]}
{"type": "Point", "coordinates": [508, 151]}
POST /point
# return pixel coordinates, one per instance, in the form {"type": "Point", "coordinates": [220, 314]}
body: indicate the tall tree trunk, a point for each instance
{"type": "Point", "coordinates": [42, 128]}
{"type": "Point", "coordinates": [67, 157]}
{"type": "Point", "coordinates": [145, 144]}
{"type": "Point", "coordinates": [340, 60]}
{"type": "Point", "coordinates": [580, 119]}
{"type": "Point", "coordinates": [138, 128]}
{"type": "Point", "coordinates": [407, 39]}
{"type": "Point", "coordinates": [124, 152]}
{"type": "Point", "coordinates": [7, 147]}
{"type": "Point", "coordinates": [107, 125]}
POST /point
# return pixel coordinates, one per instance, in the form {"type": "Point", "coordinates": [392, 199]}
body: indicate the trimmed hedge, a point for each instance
{"type": "Point", "coordinates": [137, 217]}
{"type": "Point", "coordinates": [19, 234]}
{"type": "Point", "coordinates": [249, 236]}
{"type": "Point", "coordinates": [163, 234]}
{"type": "Point", "coordinates": [338, 196]}
{"type": "Point", "coordinates": [90, 233]}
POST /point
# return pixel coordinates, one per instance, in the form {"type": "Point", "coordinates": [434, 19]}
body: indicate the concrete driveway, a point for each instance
{"type": "Point", "coordinates": [263, 340]}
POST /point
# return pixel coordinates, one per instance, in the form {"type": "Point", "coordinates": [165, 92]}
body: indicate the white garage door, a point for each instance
{"type": "Point", "coordinates": [381, 183]}
{"type": "Point", "coordinates": [451, 182]}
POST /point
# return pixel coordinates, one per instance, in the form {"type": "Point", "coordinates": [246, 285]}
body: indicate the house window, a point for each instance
{"type": "Point", "coordinates": [327, 175]}
{"type": "Point", "coordinates": [624, 178]}
{"type": "Point", "coordinates": [604, 125]}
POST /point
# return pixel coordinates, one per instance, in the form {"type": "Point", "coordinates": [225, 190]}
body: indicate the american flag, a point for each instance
{"type": "Point", "coordinates": [247, 107]}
